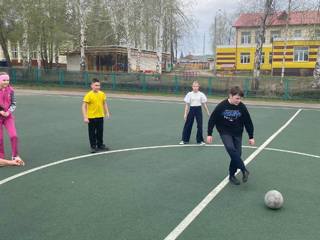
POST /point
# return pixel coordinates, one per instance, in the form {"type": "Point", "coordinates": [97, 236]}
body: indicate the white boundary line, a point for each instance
{"type": "Point", "coordinates": [199, 208]}
{"type": "Point", "coordinates": [87, 155]}
{"type": "Point", "coordinates": [136, 149]}
{"type": "Point", "coordinates": [293, 152]}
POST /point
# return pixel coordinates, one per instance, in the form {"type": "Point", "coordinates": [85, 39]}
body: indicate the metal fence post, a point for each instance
{"type": "Point", "coordinates": [61, 77]}
{"type": "Point", "coordinates": [86, 78]}
{"type": "Point", "coordinates": [176, 84]}
{"type": "Point", "coordinates": [13, 75]}
{"type": "Point", "coordinates": [286, 94]}
{"type": "Point", "coordinates": [37, 72]}
{"type": "Point", "coordinates": [144, 84]}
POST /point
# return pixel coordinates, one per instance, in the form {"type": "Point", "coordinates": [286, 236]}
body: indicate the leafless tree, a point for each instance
{"type": "Point", "coordinates": [268, 11]}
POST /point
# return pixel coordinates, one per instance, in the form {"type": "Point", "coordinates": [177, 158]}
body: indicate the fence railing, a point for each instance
{"type": "Point", "coordinates": [269, 87]}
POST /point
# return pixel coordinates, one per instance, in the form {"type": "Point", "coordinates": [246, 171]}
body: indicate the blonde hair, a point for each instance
{"type": "Point", "coordinates": [195, 82]}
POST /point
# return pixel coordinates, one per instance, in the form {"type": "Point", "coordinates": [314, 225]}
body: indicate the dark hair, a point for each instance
{"type": "Point", "coordinates": [95, 80]}
{"type": "Point", "coordinates": [236, 90]}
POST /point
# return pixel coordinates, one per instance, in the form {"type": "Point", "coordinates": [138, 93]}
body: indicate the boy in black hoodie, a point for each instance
{"type": "Point", "coordinates": [230, 117]}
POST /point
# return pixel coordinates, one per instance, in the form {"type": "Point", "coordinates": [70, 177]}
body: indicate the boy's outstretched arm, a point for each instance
{"type": "Point", "coordinates": [249, 126]}
{"type": "Point", "coordinates": [106, 109]}
{"type": "Point", "coordinates": [84, 112]}
{"type": "Point", "coordinates": [211, 123]}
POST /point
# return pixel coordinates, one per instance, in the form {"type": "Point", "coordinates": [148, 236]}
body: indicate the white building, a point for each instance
{"type": "Point", "coordinates": [118, 59]}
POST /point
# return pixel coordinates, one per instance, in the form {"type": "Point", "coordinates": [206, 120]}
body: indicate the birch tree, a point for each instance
{"type": "Point", "coordinates": [268, 10]}
{"type": "Point", "coordinates": [10, 26]}
{"type": "Point", "coordinates": [285, 42]}
{"type": "Point", "coordinates": [25, 46]}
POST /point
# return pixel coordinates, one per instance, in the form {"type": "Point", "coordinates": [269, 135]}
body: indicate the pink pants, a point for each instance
{"type": "Point", "coordinates": [8, 123]}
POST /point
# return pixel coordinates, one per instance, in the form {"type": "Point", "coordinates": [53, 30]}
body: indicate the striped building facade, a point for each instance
{"type": "Point", "coordinates": [299, 51]}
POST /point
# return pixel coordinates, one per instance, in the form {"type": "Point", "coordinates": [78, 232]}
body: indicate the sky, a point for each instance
{"type": "Point", "coordinates": [203, 11]}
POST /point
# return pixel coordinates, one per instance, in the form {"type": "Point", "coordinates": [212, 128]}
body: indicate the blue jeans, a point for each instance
{"type": "Point", "coordinates": [233, 145]}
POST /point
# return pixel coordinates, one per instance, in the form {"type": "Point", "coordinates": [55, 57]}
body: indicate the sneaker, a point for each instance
{"type": "Point", "coordinates": [182, 143]}
{"type": "Point", "coordinates": [202, 143]}
{"type": "Point", "coordinates": [103, 148]}
{"type": "Point", "coordinates": [234, 180]}
{"type": "Point", "coordinates": [93, 150]}
{"type": "Point", "coordinates": [245, 176]}
{"type": "Point", "coordinates": [16, 158]}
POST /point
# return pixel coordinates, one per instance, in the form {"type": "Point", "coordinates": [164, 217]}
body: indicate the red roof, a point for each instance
{"type": "Point", "coordinates": [278, 19]}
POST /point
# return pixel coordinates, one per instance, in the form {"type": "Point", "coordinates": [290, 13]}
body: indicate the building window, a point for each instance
{"type": "Point", "coordinates": [270, 58]}
{"type": "Point", "coordinates": [297, 33]}
{"type": "Point", "coordinates": [245, 38]}
{"type": "Point", "coordinates": [301, 54]}
{"type": "Point", "coordinates": [245, 58]}
{"type": "Point", "coordinates": [14, 52]}
{"type": "Point", "coordinates": [274, 34]}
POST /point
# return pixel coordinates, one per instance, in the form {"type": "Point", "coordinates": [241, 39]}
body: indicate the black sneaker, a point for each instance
{"type": "Point", "coordinates": [234, 180]}
{"type": "Point", "coordinates": [245, 176]}
{"type": "Point", "coordinates": [103, 148]}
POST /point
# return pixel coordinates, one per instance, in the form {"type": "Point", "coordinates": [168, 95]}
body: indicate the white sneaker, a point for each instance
{"type": "Point", "coordinates": [182, 143]}
{"type": "Point", "coordinates": [202, 143]}
{"type": "Point", "coordinates": [16, 158]}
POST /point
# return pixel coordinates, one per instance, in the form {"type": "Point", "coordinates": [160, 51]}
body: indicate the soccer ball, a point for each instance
{"type": "Point", "coordinates": [273, 199]}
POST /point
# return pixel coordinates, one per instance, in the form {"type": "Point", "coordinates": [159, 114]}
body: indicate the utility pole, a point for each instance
{"type": "Point", "coordinates": [215, 43]}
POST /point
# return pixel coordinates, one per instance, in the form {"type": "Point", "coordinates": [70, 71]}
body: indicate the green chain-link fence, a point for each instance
{"type": "Point", "coordinates": [269, 87]}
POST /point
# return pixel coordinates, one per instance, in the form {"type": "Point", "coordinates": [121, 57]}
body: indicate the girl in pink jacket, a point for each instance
{"type": "Point", "coordinates": [7, 106]}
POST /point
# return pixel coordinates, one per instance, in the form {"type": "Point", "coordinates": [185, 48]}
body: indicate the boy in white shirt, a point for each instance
{"type": "Point", "coordinates": [193, 110]}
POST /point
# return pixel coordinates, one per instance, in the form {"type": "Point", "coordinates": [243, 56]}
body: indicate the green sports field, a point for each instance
{"type": "Point", "coordinates": [148, 187]}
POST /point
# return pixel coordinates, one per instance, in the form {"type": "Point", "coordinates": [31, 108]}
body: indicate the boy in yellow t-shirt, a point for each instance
{"type": "Point", "coordinates": [94, 109]}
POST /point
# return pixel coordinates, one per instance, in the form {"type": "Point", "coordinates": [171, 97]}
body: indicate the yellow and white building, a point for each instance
{"type": "Point", "coordinates": [299, 51]}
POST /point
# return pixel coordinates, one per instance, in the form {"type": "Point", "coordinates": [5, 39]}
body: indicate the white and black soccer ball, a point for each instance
{"type": "Point", "coordinates": [273, 199]}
